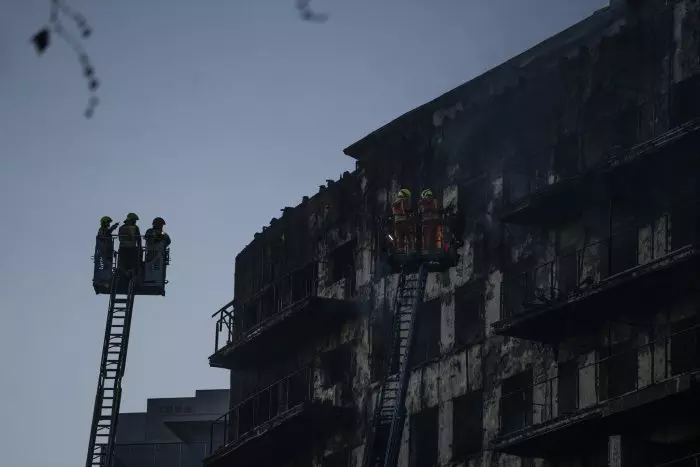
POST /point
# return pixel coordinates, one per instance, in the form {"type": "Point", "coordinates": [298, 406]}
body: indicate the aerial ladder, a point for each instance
{"type": "Point", "coordinates": [384, 436]}
{"type": "Point", "coordinates": [109, 384]}
{"type": "Point", "coordinates": [382, 447]}
{"type": "Point", "coordinates": [122, 290]}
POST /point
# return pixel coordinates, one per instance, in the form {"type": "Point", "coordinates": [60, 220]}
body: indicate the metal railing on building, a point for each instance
{"type": "Point", "coordinates": [693, 460]}
{"type": "Point", "coordinates": [525, 178]}
{"type": "Point", "coordinates": [160, 454]}
{"type": "Point", "coordinates": [272, 402]}
{"type": "Point", "coordinates": [569, 274]}
{"type": "Point", "coordinates": [233, 321]}
{"type": "Point", "coordinates": [568, 393]}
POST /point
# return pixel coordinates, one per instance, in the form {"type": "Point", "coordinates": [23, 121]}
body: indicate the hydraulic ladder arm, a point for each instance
{"type": "Point", "coordinates": [108, 397]}
{"type": "Point", "coordinates": [384, 439]}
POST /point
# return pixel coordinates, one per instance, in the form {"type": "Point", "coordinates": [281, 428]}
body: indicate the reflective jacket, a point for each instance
{"type": "Point", "coordinates": [129, 236]}
{"type": "Point", "coordinates": [400, 209]}
{"type": "Point", "coordinates": [428, 209]}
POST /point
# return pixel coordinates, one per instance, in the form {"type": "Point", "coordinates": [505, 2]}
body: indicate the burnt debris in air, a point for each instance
{"type": "Point", "coordinates": [43, 38]}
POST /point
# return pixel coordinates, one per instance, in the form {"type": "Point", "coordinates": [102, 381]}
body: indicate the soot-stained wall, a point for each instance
{"type": "Point", "coordinates": [607, 83]}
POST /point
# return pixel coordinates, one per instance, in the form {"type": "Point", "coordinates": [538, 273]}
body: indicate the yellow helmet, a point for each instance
{"type": "Point", "coordinates": [426, 193]}
{"type": "Point", "coordinates": [404, 193]}
{"type": "Point", "coordinates": [105, 220]}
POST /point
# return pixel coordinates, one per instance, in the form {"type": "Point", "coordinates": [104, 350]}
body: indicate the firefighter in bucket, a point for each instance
{"type": "Point", "coordinates": [401, 209]}
{"type": "Point", "coordinates": [431, 222]}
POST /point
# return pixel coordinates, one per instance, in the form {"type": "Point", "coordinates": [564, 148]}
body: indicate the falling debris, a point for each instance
{"type": "Point", "coordinates": [307, 14]}
{"type": "Point", "coordinates": [42, 39]}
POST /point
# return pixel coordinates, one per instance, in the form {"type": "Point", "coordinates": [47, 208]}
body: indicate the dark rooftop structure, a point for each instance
{"type": "Point", "coordinates": [172, 432]}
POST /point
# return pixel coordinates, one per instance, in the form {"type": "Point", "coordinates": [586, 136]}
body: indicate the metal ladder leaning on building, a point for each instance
{"type": "Point", "coordinates": [384, 440]}
{"type": "Point", "coordinates": [108, 397]}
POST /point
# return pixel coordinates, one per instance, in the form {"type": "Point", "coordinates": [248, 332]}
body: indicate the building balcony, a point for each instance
{"type": "Point", "coordinates": [159, 454]}
{"type": "Point", "coordinates": [576, 292]}
{"type": "Point", "coordinates": [280, 422]}
{"type": "Point", "coordinates": [284, 316]}
{"type": "Point", "coordinates": [533, 196]}
{"type": "Point", "coordinates": [616, 394]}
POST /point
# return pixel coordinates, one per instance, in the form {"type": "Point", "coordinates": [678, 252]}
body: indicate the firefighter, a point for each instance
{"type": "Point", "coordinates": [403, 230]}
{"type": "Point", "coordinates": [130, 246]}
{"type": "Point", "coordinates": [104, 237]}
{"type": "Point", "coordinates": [431, 221]}
{"type": "Point", "coordinates": [156, 239]}
{"type": "Point", "coordinates": [105, 245]}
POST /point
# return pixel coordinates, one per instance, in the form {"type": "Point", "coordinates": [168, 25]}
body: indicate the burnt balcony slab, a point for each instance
{"type": "Point", "coordinates": [557, 314]}
{"type": "Point", "coordinates": [278, 422]}
{"type": "Point", "coordinates": [295, 430]}
{"type": "Point", "coordinates": [549, 203]}
{"type": "Point", "coordinates": [672, 400]}
{"type": "Point", "coordinates": [273, 337]}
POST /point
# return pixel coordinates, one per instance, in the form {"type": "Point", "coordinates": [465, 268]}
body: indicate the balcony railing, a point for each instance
{"type": "Point", "coordinates": [160, 455]}
{"type": "Point", "coordinates": [603, 380]}
{"type": "Point", "coordinates": [272, 403]}
{"type": "Point", "coordinates": [692, 460]}
{"type": "Point", "coordinates": [569, 275]}
{"type": "Point", "coordinates": [232, 322]}
{"type": "Point", "coordinates": [524, 179]}
{"type": "Point", "coordinates": [224, 332]}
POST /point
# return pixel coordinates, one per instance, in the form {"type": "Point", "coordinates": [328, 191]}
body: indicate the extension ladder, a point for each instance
{"type": "Point", "coordinates": [384, 439]}
{"type": "Point", "coordinates": [108, 397]}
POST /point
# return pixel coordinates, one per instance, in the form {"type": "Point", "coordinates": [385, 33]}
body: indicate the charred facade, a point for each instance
{"type": "Point", "coordinates": [566, 335]}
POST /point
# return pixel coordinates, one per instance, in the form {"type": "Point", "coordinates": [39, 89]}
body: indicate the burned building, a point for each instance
{"type": "Point", "coordinates": [565, 335]}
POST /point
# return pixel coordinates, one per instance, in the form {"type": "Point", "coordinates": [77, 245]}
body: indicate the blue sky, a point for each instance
{"type": "Point", "coordinates": [214, 115]}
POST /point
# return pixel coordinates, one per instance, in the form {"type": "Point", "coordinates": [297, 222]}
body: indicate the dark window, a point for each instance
{"type": "Point", "coordinates": [188, 409]}
{"type": "Point", "coordinates": [247, 317]}
{"type": "Point", "coordinates": [685, 346]}
{"type": "Point", "coordinates": [567, 387]}
{"type": "Point", "coordinates": [467, 425]}
{"type": "Point", "coordinates": [686, 99]}
{"type": "Point", "coordinates": [426, 344]}
{"type": "Point", "coordinates": [628, 126]}
{"type": "Point", "coordinates": [469, 315]}
{"type": "Point", "coordinates": [681, 225]}
{"type": "Point", "coordinates": [623, 250]}
{"type": "Point", "coordinates": [167, 409]}
{"type": "Point", "coordinates": [178, 409]}
{"type": "Point", "coordinates": [304, 282]}
{"type": "Point", "coordinates": [568, 269]}
{"type": "Point", "coordinates": [336, 365]}
{"type": "Point", "coordinates": [472, 197]}
{"type": "Point", "coordinates": [566, 156]}
{"type": "Point", "coordinates": [381, 328]}
{"type": "Point", "coordinates": [342, 262]}
{"type": "Point", "coordinates": [423, 438]}
{"type": "Point", "coordinates": [617, 369]}
{"type": "Point", "coordinates": [516, 402]}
